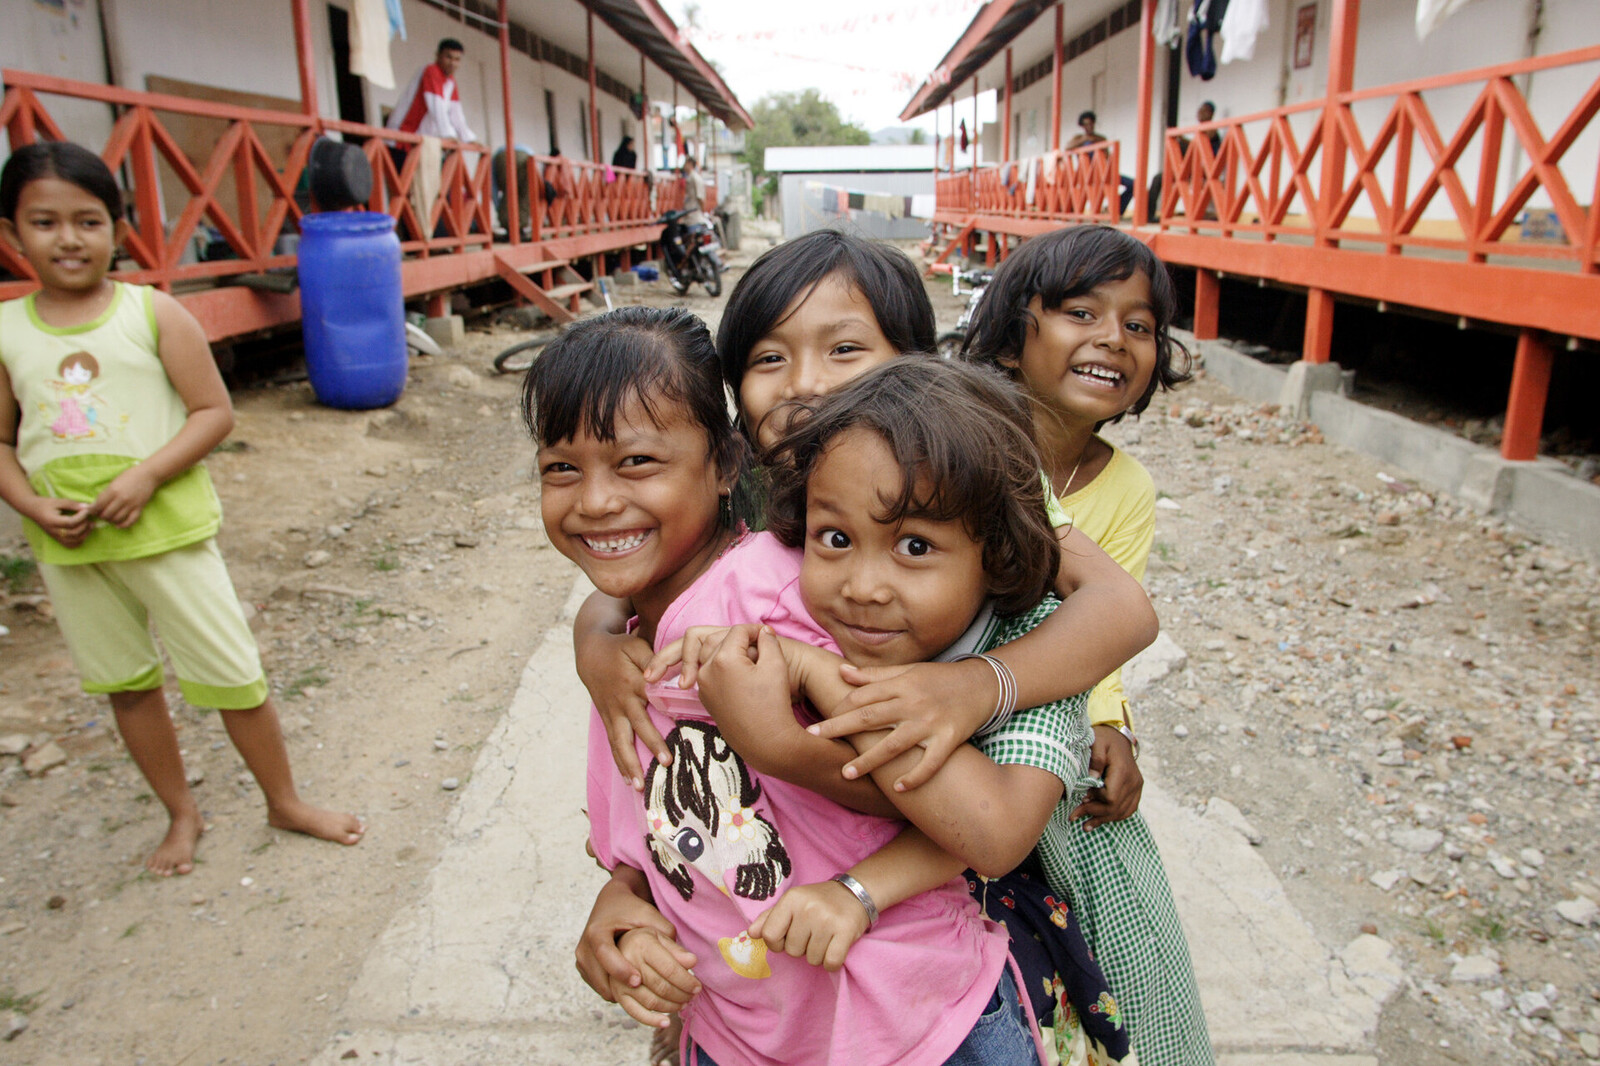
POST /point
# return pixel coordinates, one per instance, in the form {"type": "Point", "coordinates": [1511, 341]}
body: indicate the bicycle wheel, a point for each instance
{"type": "Point", "coordinates": [949, 344]}
{"type": "Point", "coordinates": [520, 356]}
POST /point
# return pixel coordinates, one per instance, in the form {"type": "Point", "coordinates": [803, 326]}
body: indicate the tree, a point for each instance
{"type": "Point", "coordinates": [785, 119]}
{"type": "Point", "coordinates": [918, 136]}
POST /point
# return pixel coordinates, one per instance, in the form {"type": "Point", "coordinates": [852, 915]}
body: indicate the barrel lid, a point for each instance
{"type": "Point", "coordinates": [346, 222]}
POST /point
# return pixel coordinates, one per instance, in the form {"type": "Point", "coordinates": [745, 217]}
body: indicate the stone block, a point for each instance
{"type": "Point", "coordinates": [448, 331]}
{"type": "Point", "coordinates": [1303, 379]}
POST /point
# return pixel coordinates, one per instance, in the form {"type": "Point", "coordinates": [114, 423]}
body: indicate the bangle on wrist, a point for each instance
{"type": "Point", "coordinates": [1133, 741]}
{"type": "Point", "coordinates": [856, 889]}
{"type": "Point", "coordinates": [1005, 705]}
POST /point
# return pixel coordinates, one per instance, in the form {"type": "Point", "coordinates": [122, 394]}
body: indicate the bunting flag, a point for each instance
{"type": "Point", "coordinates": [963, 135]}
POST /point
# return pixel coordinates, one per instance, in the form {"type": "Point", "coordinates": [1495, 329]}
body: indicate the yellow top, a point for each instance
{"type": "Point", "coordinates": [1117, 510]}
{"type": "Point", "coordinates": [95, 400]}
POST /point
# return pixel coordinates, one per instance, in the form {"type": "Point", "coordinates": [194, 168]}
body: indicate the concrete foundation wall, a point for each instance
{"type": "Point", "coordinates": [1543, 496]}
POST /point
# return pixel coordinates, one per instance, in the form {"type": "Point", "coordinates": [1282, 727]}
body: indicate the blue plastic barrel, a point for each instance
{"type": "Point", "coordinates": [353, 313]}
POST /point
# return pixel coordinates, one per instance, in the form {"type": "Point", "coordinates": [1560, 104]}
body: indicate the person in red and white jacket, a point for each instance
{"type": "Point", "coordinates": [431, 104]}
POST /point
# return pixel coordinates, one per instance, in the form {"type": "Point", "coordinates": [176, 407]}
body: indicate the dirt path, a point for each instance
{"type": "Point", "coordinates": [1399, 696]}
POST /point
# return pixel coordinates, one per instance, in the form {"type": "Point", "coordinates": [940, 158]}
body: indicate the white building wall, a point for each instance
{"type": "Point", "coordinates": [63, 43]}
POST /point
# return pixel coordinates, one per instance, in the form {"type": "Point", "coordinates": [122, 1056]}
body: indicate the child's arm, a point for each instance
{"type": "Point", "coordinates": [610, 664]}
{"type": "Point", "coordinates": [193, 372]}
{"type": "Point", "coordinates": [68, 521]}
{"type": "Point", "coordinates": [744, 683]}
{"type": "Point", "coordinates": [987, 816]}
{"type": "Point", "coordinates": [1104, 620]}
{"type": "Point", "coordinates": [821, 921]}
{"type": "Point", "coordinates": [623, 905]}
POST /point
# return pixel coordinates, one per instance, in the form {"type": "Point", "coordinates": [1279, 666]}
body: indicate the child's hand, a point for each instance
{"type": "Point", "coordinates": [668, 981]}
{"type": "Point", "coordinates": [937, 706]}
{"type": "Point", "coordinates": [746, 665]}
{"type": "Point", "coordinates": [1111, 758]}
{"type": "Point", "coordinates": [122, 502]}
{"type": "Point", "coordinates": [611, 667]}
{"type": "Point", "coordinates": [818, 922]}
{"type": "Point", "coordinates": [616, 912]}
{"type": "Point", "coordinates": [68, 522]}
{"type": "Point", "coordinates": [692, 650]}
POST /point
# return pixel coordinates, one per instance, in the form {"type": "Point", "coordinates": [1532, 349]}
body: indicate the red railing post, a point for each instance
{"type": "Point", "coordinates": [1318, 344]}
{"type": "Point", "coordinates": [1530, 384]}
{"type": "Point", "coordinates": [1056, 74]}
{"type": "Point", "coordinates": [1147, 64]}
{"type": "Point", "coordinates": [1005, 129]}
{"type": "Point", "coordinates": [594, 113]}
{"type": "Point", "coordinates": [304, 57]}
{"type": "Point", "coordinates": [513, 207]}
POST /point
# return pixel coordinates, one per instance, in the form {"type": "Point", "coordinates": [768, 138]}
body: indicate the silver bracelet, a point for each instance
{"type": "Point", "coordinates": [856, 889]}
{"type": "Point", "coordinates": [1006, 704]}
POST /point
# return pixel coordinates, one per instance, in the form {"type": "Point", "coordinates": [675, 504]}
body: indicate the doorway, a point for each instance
{"type": "Point", "coordinates": [352, 95]}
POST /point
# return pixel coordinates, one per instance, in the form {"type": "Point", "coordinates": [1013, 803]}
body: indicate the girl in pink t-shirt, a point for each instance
{"type": "Point", "coordinates": [638, 463]}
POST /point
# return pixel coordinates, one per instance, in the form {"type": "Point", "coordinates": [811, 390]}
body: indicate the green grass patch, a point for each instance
{"type": "Point", "coordinates": [1164, 551]}
{"type": "Point", "coordinates": [315, 677]}
{"type": "Point", "coordinates": [132, 929]}
{"type": "Point", "coordinates": [18, 571]}
{"type": "Point", "coordinates": [11, 1001]}
{"type": "Point", "coordinates": [1490, 926]}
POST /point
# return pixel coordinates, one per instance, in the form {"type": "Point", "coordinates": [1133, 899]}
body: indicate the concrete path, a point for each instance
{"type": "Point", "coordinates": [480, 971]}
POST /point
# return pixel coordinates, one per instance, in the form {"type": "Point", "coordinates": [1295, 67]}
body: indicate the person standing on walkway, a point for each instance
{"type": "Point", "coordinates": [1087, 136]}
{"type": "Point", "coordinates": [1081, 319]}
{"type": "Point", "coordinates": [625, 157]}
{"type": "Point", "coordinates": [109, 400]}
{"type": "Point", "coordinates": [694, 194]}
{"type": "Point", "coordinates": [430, 104]}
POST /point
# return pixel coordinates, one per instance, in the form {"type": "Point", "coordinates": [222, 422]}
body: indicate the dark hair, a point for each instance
{"type": "Point", "coordinates": [1090, 115]}
{"type": "Point", "coordinates": [449, 44]}
{"type": "Point", "coordinates": [657, 356]}
{"type": "Point", "coordinates": [963, 440]}
{"type": "Point", "coordinates": [1204, 104]}
{"type": "Point", "coordinates": [58, 159]}
{"type": "Point", "coordinates": [1056, 267]}
{"type": "Point", "coordinates": [883, 275]}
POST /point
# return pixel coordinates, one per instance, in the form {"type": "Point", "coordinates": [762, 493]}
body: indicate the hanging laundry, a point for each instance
{"type": "Point", "coordinates": [1200, 47]}
{"type": "Point", "coordinates": [857, 200]}
{"type": "Point", "coordinates": [397, 20]}
{"type": "Point", "coordinates": [1031, 185]}
{"type": "Point", "coordinates": [1243, 22]}
{"type": "Point", "coordinates": [963, 135]}
{"type": "Point", "coordinates": [1432, 12]}
{"type": "Point", "coordinates": [1167, 26]}
{"type": "Point", "coordinates": [369, 42]}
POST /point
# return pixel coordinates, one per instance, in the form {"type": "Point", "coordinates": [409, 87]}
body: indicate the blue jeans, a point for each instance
{"type": "Point", "coordinates": [999, 1038]}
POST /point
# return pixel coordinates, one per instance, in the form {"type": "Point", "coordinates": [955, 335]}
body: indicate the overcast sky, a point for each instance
{"type": "Point", "coordinates": [867, 56]}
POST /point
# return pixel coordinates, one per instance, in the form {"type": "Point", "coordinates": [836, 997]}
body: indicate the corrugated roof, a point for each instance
{"type": "Point", "coordinates": [991, 29]}
{"type": "Point", "coordinates": [848, 157]}
{"type": "Point", "coordinates": [647, 26]}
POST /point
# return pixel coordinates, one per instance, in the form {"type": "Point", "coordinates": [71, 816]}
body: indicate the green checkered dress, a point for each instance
{"type": "Point", "coordinates": [1112, 876]}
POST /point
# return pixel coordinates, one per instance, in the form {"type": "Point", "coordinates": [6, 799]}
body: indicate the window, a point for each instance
{"type": "Point", "coordinates": [550, 121]}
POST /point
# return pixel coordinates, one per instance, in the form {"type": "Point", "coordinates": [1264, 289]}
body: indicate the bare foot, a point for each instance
{"type": "Point", "coordinates": [175, 855]}
{"type": "Point", "coordinates": [301, 817]}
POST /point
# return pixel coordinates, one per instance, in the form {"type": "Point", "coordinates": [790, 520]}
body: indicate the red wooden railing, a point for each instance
{"type": "Point", "coordinates": [1337, 187]}
{"type": "Point", "coordinates": [458, 217]}
{"type": "Point", "coordinates": [1070, 185]}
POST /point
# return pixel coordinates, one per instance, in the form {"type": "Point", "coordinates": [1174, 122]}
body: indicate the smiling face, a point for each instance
{"type": "Point", "coordinates": [888, 593]}
{"type": "Point", "coordinates": [65, 232]}
{"type": "Point", "coordinates": [825, 338]}
{"type": "Point", "coordinates": [638, 514]}
{"type": "Point", "coordinates": [1093, 357]}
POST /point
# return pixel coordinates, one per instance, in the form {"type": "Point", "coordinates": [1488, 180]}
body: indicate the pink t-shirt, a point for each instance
{"type": "Point", "coordinates": [720, 844]}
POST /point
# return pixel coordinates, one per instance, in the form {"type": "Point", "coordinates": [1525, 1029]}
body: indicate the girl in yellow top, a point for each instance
{"type": "Point", "coordinates": [1081, 318]}
{"type": "Point", "coordinates": [109, 400]}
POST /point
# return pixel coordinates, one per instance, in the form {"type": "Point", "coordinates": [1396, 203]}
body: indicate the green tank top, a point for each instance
{"type": "Point", "coordinates": [95, 400]}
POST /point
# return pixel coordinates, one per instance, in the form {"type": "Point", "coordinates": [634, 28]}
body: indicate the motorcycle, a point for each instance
{"type": "Point", "coordinates": [690, 254]}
